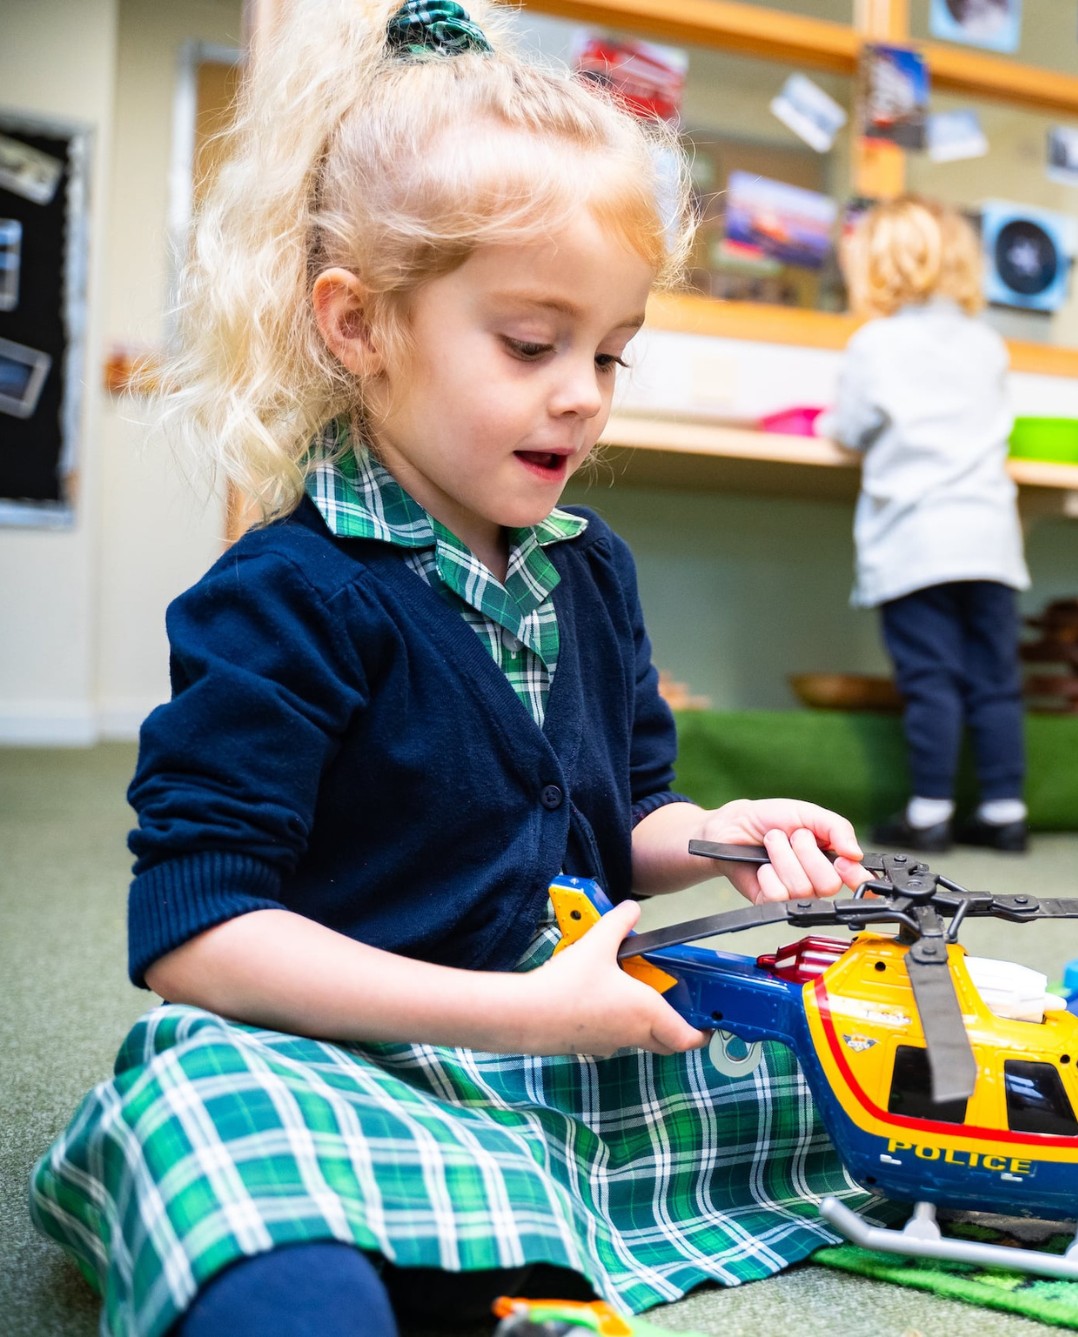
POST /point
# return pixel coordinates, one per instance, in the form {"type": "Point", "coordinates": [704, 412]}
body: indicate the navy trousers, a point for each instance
{"type": "Point", "coordinates": [955, 652]}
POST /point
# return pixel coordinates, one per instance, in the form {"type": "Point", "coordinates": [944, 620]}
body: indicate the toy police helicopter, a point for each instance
{"type": "Point", "coordinates": [943, 1080]}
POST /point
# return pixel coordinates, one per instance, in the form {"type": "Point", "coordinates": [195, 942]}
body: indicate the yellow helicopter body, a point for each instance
{"type": "Point", "coordinates": [1012, 1146]}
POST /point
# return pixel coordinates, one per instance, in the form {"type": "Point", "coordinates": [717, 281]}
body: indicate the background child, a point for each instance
{"type": "Point", "coordinates": [937, 534]}
{"type": "Point", "coordinates": [401, 706]}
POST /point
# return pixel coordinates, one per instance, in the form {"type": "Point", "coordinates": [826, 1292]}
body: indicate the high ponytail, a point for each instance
{"type": "Point", "coordinates": [343, 153]}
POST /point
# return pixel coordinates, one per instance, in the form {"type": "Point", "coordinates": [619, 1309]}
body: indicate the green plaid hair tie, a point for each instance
{"type": "Point", "coordinates": [438, 26]}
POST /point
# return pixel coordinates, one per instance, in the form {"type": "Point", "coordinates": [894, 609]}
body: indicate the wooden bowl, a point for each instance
{"type": "Point", "coordinates": [845, 691]}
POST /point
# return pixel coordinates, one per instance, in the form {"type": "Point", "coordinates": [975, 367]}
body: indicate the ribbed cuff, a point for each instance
{"type": "Point", "coordinates": [654, 801]}
{"type": "Point", "coordinates": [175, 901]}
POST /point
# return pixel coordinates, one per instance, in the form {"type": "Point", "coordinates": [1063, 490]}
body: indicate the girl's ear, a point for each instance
{"type": "Point", "coordinates": [340, 301]}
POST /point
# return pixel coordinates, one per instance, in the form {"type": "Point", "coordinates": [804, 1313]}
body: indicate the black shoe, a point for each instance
{"type": "Point", "coordinates": [899, 834]}
{"type": "Point", "coordinates": [1012, 837]}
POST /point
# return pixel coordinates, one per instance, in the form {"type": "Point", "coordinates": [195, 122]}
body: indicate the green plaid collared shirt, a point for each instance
{"type": "Point", "coordinates": [359, 498]}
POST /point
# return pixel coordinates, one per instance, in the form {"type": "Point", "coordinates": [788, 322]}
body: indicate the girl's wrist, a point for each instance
{"type": "Point", "coordinates": [661, 858]}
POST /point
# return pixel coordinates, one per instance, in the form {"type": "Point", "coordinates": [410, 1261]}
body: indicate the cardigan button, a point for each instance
{"type": "Point", "coordinates": [551, 797]}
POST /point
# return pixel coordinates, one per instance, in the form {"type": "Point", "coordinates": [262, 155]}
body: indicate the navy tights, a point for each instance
{"type": "Point", "coordinates": [321, 1289]}
{"type": "Point", "coordinates": [328, 1289]}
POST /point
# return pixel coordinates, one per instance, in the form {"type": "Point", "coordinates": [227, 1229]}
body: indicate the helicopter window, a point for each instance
{"type": "Point", "coordinates": [1036, 1100]}
{"type": "Point", "coordinates": [911, 1090]}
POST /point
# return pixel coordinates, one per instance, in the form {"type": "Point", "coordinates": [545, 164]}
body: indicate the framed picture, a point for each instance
{"type": "Point", "coordinates": [43, 256]}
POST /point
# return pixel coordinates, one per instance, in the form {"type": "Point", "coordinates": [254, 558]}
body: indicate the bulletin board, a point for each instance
{"type": "Point", "coordinates": [43, 254]}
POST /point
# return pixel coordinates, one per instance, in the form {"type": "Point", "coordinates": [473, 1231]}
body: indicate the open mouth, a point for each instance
{"type": "Point", "coordinates": [542, 460]}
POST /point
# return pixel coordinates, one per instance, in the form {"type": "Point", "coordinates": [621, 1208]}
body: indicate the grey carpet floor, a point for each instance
{"type": "Point", "coordinates": [66, 1006]}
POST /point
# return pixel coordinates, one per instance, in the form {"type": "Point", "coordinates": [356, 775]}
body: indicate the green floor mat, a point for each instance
{"type": "Point", "coordinates": [1046, 1299]}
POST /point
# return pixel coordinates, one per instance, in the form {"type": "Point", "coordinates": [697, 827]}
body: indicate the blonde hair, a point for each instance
{"type": "Point", "coordinates": [396, 170]}
{"type": "Point", "coordinates": [909, 250]}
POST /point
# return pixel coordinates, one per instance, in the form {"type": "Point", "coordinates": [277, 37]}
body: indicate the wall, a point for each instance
{"type": "Point", "coordinates": [82, 648]}
{"type": "Point", "coordinates": [58, 61]}
{"type": "Point", "coordinates": [158, 532]}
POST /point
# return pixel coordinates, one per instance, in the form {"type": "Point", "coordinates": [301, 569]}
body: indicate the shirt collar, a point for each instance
{"type": "Point", "coordinates": [359, 498]}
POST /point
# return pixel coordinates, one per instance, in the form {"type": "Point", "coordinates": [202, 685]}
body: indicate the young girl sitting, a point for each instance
{"type": "Point", "coordinates": [401, 705]}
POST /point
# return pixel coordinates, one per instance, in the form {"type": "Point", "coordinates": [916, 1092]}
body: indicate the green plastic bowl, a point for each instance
{"type": "Point", "coordinates": [1054, 439]}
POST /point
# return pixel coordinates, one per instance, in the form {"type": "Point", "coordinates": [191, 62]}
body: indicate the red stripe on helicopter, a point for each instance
{"type": "Point", "coordinates": [964, 1130]}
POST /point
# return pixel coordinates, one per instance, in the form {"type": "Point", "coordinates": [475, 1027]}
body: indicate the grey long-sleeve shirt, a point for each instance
{"type": "Point", "coordinates": [923, 394]}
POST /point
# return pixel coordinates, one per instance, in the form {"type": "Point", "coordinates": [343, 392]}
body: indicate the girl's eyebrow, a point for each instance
{"type": "Point", "coordinates": [564, 307]}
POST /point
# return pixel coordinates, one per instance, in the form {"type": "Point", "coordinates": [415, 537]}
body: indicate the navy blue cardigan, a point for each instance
{"type": "Point", "coordinates": [340, 743]}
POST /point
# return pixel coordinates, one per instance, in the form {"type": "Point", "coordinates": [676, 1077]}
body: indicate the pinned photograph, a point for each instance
{"type": "Point", "coordinates": [10, 262]}
{"type": "Point", "coordinates": [22, 374]}
{"type": "Point", "coordinates": [649, 79]}
{"type": "Point", "coordinates": [809, 112]}
{"type": "Point", "coordinates": [27, 171]}
{"type": "Point", "coordinates": [772, 219]}
{"type": "Point", "coordinates": [1028, 255]}
{"type": "Point", "coordinates": [1063, 154]}
{"type": "Point", "coordinates": [951, 135]}
{"type": "Point", "coordinates": [995, 24]}
{"type": "Point", "coordinates": [894, 95]}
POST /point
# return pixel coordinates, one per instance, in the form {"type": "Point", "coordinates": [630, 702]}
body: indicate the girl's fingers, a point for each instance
{"type": "Point", "coordinates": [853, 874]}
{"type": "Point", "coordinates": [672, 1034]}
{"type": "Point", "coordinates": [786, 867]}
{"type": "Point", "coordinates": [617, 924]}
{"type": "Point", "coordinates": [798, 867]}
{"type": "Point", "coordinates": [822, 873]}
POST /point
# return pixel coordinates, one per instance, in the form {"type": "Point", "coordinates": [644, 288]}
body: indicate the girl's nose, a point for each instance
{"type": "Point", "coordinates": [579, 392]}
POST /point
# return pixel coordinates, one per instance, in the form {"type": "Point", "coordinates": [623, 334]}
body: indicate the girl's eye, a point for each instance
{"type": "Point", "coordinates": [525, 350]}
{"type": "Point", "coordinates": [608, 361]}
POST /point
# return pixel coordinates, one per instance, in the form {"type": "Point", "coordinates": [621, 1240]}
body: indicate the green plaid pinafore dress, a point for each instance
{"type": "Point", "coordinates": [647, 1174]}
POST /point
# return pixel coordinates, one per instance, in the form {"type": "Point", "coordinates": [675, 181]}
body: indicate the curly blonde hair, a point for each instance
{"type": "Point", "coordinates": [343, 155]}
{"type": "Point", "coordinates": [909, 250]}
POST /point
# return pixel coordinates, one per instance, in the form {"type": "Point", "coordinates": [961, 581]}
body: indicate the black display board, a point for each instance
{"type": "Point", "coordinates": [43, 253]}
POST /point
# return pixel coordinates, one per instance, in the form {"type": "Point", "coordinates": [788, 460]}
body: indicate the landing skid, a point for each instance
{"type": "Point", "coordinates": [921, 1238]}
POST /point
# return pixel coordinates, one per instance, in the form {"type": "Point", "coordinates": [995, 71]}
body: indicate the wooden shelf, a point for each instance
{"type": "Point", "coordinates": [690, 313]}
{"type": "Point", "coordinates": [680, 453]}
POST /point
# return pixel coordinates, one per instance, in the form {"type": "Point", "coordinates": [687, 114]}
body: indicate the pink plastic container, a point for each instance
{"type": "Point", "coordinates": [797, 421]}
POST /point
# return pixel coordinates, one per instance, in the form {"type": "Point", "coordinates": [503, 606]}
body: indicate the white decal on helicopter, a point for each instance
{"type": "Point", "coordinates": [869, 1011]}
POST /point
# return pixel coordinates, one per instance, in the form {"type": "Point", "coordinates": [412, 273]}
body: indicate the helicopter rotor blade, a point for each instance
{"type": "Point", "coordinates": [951, 1063]}
{"type": "Point", "coordinates": [690, 930]}
{"type": "Point", "coordinates": [1023, 909]}
{"type": "Point", "coordinates": [850, 912]}
{"type": "Point", "coordinates": [711, 849]}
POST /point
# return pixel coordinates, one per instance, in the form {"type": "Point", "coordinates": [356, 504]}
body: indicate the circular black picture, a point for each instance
{"type": "Point", "coordinates": [1025, 256]}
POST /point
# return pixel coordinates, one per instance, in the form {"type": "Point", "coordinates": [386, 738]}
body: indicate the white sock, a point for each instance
{"type": "Point", "coordinates": [929, 811]}
{"type": "Point", "coordinates": [997, 811]}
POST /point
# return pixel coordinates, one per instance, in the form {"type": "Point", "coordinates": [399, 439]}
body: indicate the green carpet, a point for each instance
{"type": "Point", "coordinates": [1046, 1299]}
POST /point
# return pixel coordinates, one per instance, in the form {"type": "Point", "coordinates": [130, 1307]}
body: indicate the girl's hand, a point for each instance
{"type": "Point", "coordinates": [794, 835]}
{"type": "Point", "coordinates": [584, 1003]}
